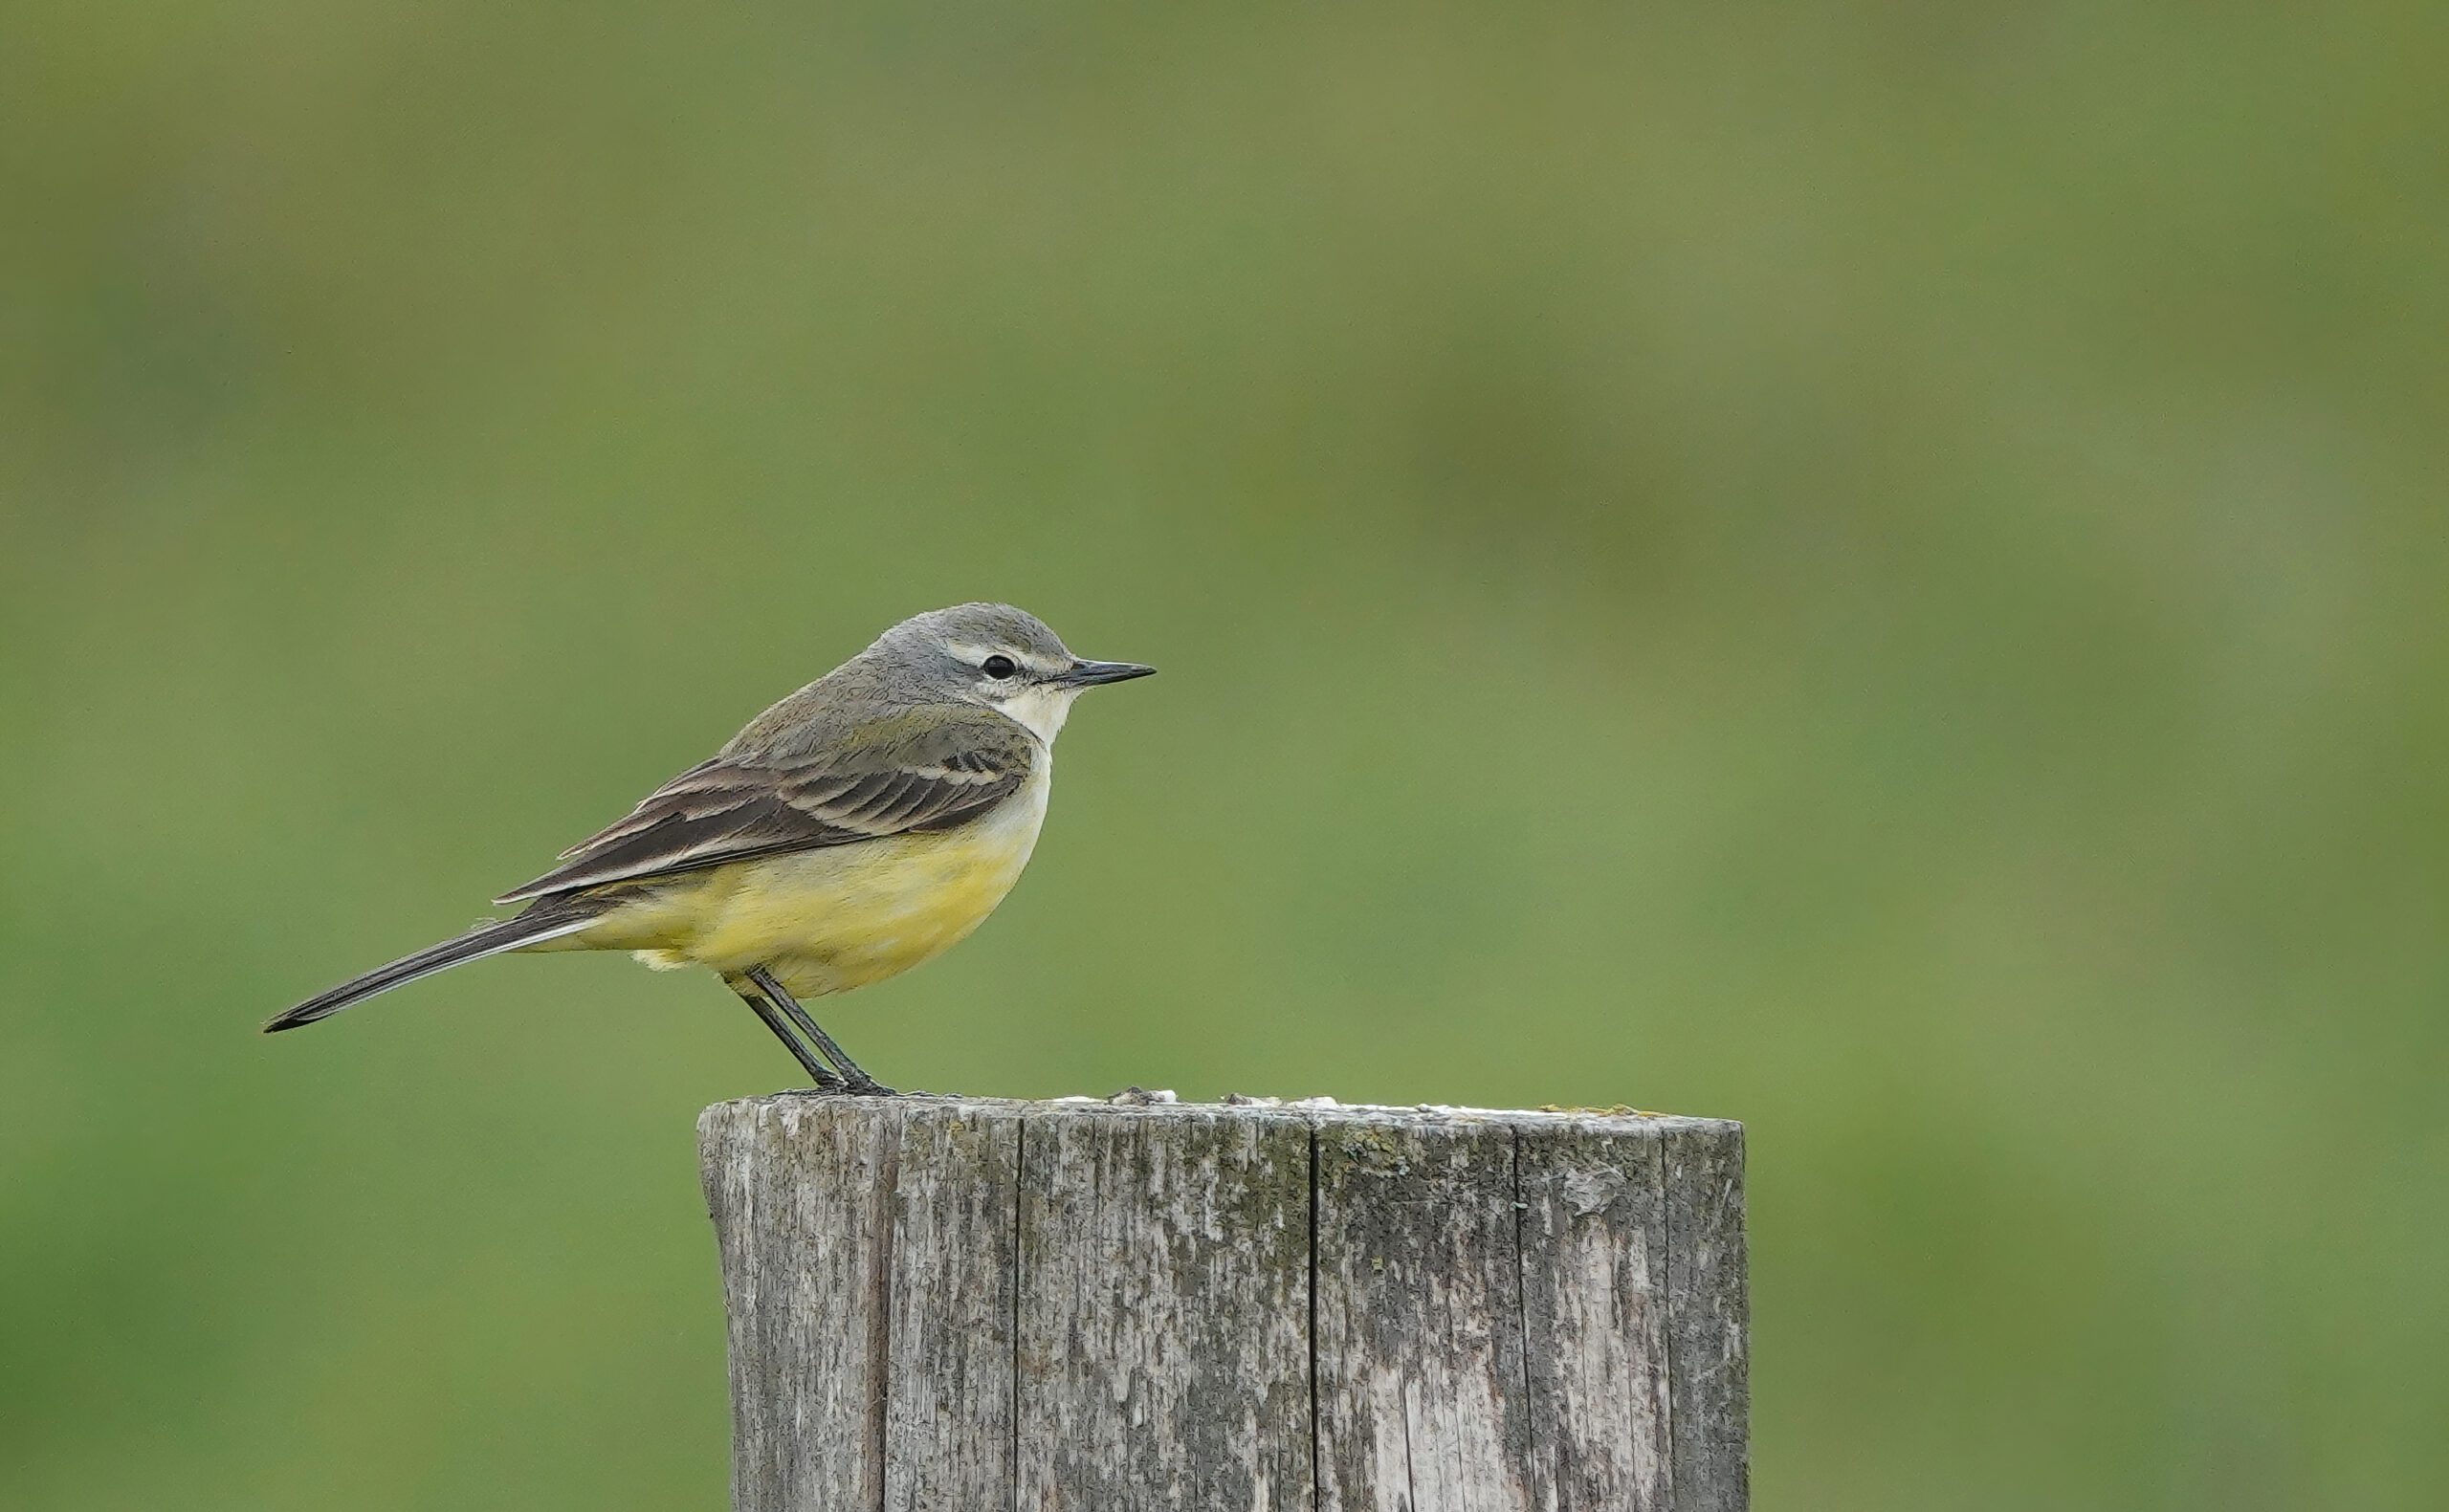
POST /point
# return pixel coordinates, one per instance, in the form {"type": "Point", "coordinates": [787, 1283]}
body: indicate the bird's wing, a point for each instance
{"type": "Point", "coordinates": [905, 775]}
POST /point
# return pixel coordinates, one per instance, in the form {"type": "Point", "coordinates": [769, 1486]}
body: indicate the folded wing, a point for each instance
{"type": "Point", "coordinates": [913, 774]}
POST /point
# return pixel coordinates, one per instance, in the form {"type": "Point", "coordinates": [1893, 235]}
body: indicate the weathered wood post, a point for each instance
{"type": "Point", "coordinates": [964, 1305]}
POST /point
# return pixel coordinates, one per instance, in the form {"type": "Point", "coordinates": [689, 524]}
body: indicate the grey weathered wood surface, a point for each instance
{"type": "Point", "coordinates": [969, 1306]}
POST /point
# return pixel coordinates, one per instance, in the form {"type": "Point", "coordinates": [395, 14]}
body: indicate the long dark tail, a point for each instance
{"type": "Point", "coordinates": [547, 919]}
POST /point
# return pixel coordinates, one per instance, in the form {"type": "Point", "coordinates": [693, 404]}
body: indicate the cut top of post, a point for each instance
{"type": "Point", "coordinates": [943, 1303]}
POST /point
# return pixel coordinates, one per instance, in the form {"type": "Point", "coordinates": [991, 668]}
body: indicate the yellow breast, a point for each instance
{"type": "Point", "coordinates": [826, 921]}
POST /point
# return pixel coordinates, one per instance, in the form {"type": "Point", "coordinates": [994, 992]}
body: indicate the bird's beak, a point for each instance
{"type": "Point", "coordinates": [1089, 674]}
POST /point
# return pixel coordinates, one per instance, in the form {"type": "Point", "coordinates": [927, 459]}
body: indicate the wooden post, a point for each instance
{"type": "Point", "coordinates": [964, 1305]}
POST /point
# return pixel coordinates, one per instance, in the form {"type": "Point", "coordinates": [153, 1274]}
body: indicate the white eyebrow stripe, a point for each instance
{"type": "Point", "coordinates": [971, 652]}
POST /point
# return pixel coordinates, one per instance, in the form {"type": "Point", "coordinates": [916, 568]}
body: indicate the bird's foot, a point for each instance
{"type": "Point", "coordinates": [861, 1086]}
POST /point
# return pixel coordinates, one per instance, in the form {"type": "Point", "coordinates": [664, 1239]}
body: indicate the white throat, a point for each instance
{"type": "Point", "coordinates": [1040, 711]}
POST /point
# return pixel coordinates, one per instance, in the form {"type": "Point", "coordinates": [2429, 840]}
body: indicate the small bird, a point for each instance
{"type": "Point", "coordinates": [865, 823]}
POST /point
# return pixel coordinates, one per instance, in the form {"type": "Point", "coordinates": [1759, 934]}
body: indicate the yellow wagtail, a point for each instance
{"type": "Point", "coordinates": [862, 825]}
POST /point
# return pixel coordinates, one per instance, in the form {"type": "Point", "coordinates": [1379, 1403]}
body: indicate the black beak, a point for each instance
{"type": "Point", "coordinates": [1089, 674]}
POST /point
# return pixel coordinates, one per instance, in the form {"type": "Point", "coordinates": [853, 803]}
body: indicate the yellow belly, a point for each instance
{"type": "Point", "coordinates": [826, 921]}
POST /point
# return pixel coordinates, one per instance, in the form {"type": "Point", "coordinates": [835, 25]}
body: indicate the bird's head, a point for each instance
{"type": "Point", "coordinates": [996, 656]}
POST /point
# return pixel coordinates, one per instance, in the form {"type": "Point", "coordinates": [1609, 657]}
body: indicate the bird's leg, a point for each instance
{"type": "Point", "coordinates": [858, 1082]}
{"type": "Point", "coordinates": [819, 1073]}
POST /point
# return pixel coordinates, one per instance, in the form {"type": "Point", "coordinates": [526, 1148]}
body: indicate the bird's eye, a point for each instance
{"type": "Point", "coordinates": [999, 666]}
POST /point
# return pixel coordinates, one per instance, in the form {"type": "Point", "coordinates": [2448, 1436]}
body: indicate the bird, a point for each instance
{"type": "Point", "coordinates": [856, 828]}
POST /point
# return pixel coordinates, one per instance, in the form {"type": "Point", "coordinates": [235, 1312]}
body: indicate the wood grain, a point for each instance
{"type": "Point", "coordinates": [793, 1186]}
{"type": "Point", "coordinates": [949, 1425]}
{"type": "Point", "coordinates": [958, 1303]}
{"type": "Point", "coordinates": [1164, 1357]}
{"type": "Point", "coordinates": [1708, 1326]}
{"type": "Point", "coordinates": [1422, 1398]}
{"type": "Point", "coordinates": [1593, 1292]}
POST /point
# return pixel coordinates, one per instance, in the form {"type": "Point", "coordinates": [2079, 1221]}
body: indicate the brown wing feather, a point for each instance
{"type": "Point", "coordinates": [733, 808]}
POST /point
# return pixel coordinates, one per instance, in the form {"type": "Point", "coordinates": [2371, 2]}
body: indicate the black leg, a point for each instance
{"type": "Point", "coordinates": [819, 1073]}
{"type": "Point", "coordinates": [860, 1083]}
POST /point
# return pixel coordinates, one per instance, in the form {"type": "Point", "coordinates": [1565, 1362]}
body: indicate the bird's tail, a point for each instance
{"type": "Point", "coordinates": [548, 920]}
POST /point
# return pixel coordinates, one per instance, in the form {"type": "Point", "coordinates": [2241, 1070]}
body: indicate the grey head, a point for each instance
{"type": "Point", "coordinates": [993, 654]}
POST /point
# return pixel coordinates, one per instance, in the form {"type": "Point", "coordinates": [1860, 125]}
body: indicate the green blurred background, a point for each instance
{"type": "Point", "coordinates": [1875, 569]}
